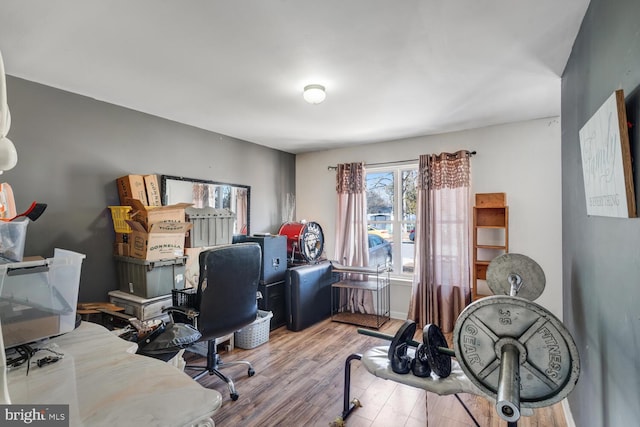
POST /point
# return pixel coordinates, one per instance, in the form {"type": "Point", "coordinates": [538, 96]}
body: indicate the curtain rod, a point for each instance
{"type": "Point", "coordinates": [470, 153]}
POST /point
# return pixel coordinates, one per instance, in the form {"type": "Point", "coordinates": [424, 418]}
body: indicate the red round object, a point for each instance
{"type": "Point", "coordinates": [305, 240]}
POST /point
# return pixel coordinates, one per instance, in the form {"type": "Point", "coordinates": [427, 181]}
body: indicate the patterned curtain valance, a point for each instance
{"type": "Point", "coordinates": [350, 178]}
{"type": "Point", "coordinates": [444, 170]}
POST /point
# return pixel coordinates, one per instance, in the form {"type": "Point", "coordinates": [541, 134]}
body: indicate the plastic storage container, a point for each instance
{"type": "Point", "coordinates": [142, 308]}
{"type": "Point", "coordinates": [150, 279]}
{"type": "Point", "coordinates": [210, 226]}
{"type": "Point", "coordinates": [39, 298]}
{"type": "Point", "coordinates": [12, 237]}
{"type": "Point", "coordinates": [256, 333]}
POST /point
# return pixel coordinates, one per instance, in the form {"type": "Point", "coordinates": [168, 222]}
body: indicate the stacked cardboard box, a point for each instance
{"type": "Point", "coordinates": [144, 188]}
{"type": "Point", "coordinates": [152, 232]}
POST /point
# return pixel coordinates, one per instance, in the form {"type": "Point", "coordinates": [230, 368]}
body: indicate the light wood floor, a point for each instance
{"type": "Point", "coordinates": [299, 381]}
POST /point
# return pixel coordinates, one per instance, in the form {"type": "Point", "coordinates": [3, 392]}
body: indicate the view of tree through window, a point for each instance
{"type": "Point", "coordinates": [391, 215]}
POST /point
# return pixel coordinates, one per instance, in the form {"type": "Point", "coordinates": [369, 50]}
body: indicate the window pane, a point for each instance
{"type": "Point", "coordinates": [409, 195]}
{"type": "Point", "coordinates": [380, 196]}
{"type": "Point", "coordinates": [409, 205]}
{"type": "Point", "coordinates": [380, 209]}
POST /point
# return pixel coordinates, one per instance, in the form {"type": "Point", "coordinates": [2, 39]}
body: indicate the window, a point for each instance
{"type": "Point", "coordinates": [391, 213]}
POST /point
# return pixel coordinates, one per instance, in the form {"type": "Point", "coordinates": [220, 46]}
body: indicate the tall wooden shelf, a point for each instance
{"type": "Point", "coordinates": [490, 237]}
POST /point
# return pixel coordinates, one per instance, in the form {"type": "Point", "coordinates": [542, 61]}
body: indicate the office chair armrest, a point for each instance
{"type": "Point", "coordinates": [191, 313]}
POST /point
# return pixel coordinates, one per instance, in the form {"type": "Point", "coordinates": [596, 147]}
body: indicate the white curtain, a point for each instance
{"type": "Point", "coordinates": [352, 244]}
{"type": "Point", "coordinates": [441, 282]}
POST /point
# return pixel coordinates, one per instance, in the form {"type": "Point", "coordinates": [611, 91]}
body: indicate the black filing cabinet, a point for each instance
{"type": "Point", "coordinates": [273, 300]}
{"type": "Point", "coordinates": [274, 266]}
{"type": "Point", "coordinates": [274, 257]}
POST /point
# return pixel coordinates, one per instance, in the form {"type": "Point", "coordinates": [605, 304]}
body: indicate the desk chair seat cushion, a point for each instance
{"type": "Point", "coordinates": [227, 293]}
{"type": "Point", "coordinates": [176, 336]}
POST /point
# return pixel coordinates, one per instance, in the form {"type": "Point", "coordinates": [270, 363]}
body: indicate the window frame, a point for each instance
{"type": "Point", "coordinates": [397, 220]}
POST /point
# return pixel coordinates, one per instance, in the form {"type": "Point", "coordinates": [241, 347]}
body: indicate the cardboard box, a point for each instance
{"type": "Point", "coordinates": [132, 187]}
{"type": "Point", "coordinates": [149, 215]}
{"type": "Point", "coordinates": [121, 249]}
{"type": "Point", "coordinates": [154, 197]}
{"type": "Point", "coordinates": [164, 240]}
{"type": "Point", "coordinates": [30, 325]}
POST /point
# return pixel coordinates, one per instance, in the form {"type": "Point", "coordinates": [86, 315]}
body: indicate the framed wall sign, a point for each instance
{"type": "Point", "coordinates": [606, 161]}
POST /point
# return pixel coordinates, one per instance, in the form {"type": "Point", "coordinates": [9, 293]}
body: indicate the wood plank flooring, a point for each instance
{"type": "Point", "coordinates": [299, 381]}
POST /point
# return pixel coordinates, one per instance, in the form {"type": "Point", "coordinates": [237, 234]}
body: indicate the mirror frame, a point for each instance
{"type": "Point", "coordinates": [163, 184]}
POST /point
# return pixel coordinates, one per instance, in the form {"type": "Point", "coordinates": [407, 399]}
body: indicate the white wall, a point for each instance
{"type": "Point", "coordinates": [521, 159]}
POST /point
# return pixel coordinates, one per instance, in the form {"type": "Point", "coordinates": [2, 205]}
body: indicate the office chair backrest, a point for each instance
{"type": "Point", "coordinates": [227, 288]}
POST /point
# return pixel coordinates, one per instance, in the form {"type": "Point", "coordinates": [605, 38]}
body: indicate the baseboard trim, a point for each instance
{"type": "Point", "coordinates": [568, 416]}
{"type": "Point", "coordinates": [398, 315]}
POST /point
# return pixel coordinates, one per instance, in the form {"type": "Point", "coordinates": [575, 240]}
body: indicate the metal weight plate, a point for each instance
{"type": "Point", "coordinates": [440, 363]}
{"type": "Point", "coordinates": [549, 362]}
{"type": "Point", "coordinates": [403, 335]}
{"type": "Point", "coordinates": [519, 269]}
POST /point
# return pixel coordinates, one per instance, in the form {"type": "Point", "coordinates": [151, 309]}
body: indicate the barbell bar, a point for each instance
{"type": "Point", "coordinates": [412, 343]}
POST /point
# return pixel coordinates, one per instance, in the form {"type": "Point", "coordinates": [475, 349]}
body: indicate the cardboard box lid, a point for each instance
{"type": "Point", "coordinates": [161, 227]}
{"type": "Point", "coordinates": [147, 215]}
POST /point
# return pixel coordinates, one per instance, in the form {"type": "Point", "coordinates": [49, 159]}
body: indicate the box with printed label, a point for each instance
{"type": "Point", "coordinates": [153, 190]}
{"type": "Point", "coordinates": [131, 187]}
{"type": "Point", "coordinates": [149, 215]}
{"type": "Point", "coordinates": [164, 240]}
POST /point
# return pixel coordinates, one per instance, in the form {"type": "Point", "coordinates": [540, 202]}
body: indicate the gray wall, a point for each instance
{"type": "Point", "coordinates": [601, 256]}
{"type": "Point", "coordinates": [72, 148]}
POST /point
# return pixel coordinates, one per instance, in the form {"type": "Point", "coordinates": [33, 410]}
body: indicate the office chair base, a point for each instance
{"type": "Point", "coordinates": [214, 364]}
{"type": "Point", "coordinates": [232, 388]}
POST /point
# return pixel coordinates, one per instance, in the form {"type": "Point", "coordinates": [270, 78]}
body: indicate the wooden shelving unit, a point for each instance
{"type": "Point", "coordinates": [490, 237]}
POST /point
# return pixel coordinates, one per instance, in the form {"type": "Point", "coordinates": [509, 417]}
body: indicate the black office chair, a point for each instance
{"type": "Point", "coordinates": [225, 301]}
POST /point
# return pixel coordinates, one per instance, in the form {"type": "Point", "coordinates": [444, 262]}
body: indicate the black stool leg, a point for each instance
{"type": "Point", "coordinates": [348, 406]}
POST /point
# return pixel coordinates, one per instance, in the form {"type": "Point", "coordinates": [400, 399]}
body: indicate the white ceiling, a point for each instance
{"type": "Point", "coordinates": [392, 69]}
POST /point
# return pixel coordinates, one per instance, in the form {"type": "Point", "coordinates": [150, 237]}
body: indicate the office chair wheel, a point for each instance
{"type": "Point", "coordinates": [251, 372]}
{"type": "Point", "coordinates": [234, 396]}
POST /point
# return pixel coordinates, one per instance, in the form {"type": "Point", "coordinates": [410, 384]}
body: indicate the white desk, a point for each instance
{"type": "Point", "coordinates": [107, 384]}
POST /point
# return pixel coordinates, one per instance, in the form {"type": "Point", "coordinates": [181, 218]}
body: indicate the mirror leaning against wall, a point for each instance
{"type": "Point", "coordinates": [205, 193]}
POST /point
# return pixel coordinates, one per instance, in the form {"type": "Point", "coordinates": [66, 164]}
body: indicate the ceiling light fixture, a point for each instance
{"type": "Point", "coordinates": [314, 94]}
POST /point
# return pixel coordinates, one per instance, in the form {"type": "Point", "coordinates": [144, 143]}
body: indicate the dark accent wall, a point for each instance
{"type": "Point", "coordinates": [601, 256]}
{"type": "Point", "coordinates": [72, 148]}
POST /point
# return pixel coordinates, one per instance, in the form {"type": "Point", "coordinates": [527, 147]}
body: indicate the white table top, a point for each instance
{"type": "Point", "coordinates": [107, 384]}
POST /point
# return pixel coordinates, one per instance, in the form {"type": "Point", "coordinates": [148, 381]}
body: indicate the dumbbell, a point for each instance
{"type": "Point", "coordinates": [433, 348]}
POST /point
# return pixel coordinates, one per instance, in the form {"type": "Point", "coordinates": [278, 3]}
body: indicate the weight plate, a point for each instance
{"type": "Point", "coordinates": [440, 363]}
{"type": "Point", "coordinates": [549, 362]}
{"type": "Point", "coordinates": [520, 269]}
{"type": "Point", "coordinates": [403, 335]}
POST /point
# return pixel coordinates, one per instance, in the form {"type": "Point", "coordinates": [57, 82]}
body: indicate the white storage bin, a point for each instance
{"type": "Point", "coordinates": [256, 333]}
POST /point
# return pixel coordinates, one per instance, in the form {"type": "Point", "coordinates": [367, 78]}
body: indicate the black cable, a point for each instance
{"type": "Point", "coordinates": [467, 409]}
